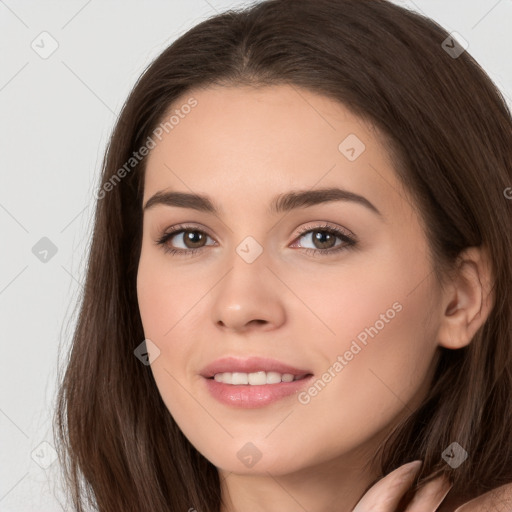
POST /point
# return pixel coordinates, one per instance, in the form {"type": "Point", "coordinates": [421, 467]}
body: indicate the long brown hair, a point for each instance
{"type": "Point", "coordinates": [449, 131]}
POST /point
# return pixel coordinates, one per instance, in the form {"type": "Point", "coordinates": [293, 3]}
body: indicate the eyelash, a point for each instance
{"type": "Point", "coordinates": [349, 240]}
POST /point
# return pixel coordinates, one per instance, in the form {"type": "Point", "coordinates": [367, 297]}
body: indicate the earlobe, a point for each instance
{"type": "Point", "coordinates": [468, 299]}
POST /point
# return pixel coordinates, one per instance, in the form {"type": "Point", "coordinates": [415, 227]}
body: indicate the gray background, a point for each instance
{"type": "Point", "coordinates": [56, 115]}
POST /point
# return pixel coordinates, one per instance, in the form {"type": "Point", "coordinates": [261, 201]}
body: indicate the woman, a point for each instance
{"type": "Point", "coordinates": [299, 279]}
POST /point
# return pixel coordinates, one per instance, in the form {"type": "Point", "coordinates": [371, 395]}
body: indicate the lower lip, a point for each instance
{"type": "Point", "coordinates": [250, 397]}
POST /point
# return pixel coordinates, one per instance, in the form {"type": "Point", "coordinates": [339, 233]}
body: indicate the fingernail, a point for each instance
{"type": "Point", "coordinates": [412, 466]}
{"type": "Point", "coordinates": [410, 469]}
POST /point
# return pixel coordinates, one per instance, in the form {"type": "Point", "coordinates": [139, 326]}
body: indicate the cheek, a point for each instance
{"type": "Point", "coordinates": [170, 307]}
{"type": "Point", "coordinates": [349, 299]}
{"type": "Point", "coordinates": [379, 352]}
{"type": "Point", "coordinates": [386, 359]}
{"type": "Point", "coordinates": [163, 296]}
{"type": "Point", "coordinates": [161, 309]}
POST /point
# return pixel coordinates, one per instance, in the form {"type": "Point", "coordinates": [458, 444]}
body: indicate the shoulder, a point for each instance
{"type": "Point", "coordinates": [499, 500]}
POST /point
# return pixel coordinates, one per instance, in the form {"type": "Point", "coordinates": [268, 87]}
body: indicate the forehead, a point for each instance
{"type": "Point", "coordinates": [247, 144]}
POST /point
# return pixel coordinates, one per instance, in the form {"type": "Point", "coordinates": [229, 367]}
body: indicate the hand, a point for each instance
{"type": "Point", "coordinates": [386, 494]}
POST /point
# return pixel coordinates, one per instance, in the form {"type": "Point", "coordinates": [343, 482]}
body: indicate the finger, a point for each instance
{"type": "Point", "coordinates": [385, 495]}
{"type": "Point", "coordinates": [430, 496]}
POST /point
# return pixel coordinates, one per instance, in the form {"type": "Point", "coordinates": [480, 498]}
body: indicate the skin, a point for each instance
{"type": "Point", "coordinates": [241, 146]}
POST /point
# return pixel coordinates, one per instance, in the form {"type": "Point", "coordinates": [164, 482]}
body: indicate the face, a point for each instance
{"type": "Point", "coordinates": [337, 286]}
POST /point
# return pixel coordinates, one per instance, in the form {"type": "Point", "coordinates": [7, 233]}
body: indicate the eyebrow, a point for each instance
{"type": "Point", "coordinates": [279, 204]}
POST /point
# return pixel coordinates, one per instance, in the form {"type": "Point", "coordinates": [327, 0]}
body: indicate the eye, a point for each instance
{"type": "Point", "coordinates": [324, 238]}
{"type": "Point", "coordinates": [192, 238]}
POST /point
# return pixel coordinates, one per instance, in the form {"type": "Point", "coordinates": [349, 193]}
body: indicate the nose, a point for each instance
{"type": "Point", "coordinates": [248, 297]}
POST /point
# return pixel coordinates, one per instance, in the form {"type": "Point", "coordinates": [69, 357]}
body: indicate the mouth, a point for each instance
{"type": "Point", "coordinates": [255, 389]}
{"type": "Point", "coordinates": [258, 378]}
{"type": "Point", "coordinates": [255, 371]}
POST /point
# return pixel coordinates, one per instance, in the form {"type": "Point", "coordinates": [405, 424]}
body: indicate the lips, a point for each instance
{"type": "Point", "coordinates": [251, 365]}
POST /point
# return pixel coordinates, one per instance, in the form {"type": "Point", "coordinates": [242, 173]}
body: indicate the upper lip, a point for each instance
{"type": "Point", "coordinates": [249, 365]}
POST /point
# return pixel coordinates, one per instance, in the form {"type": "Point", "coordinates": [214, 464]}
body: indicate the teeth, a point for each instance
{"type": "Point", "coordinates": [254, 379]}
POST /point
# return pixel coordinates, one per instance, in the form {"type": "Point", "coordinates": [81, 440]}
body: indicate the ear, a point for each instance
{"type": "Point", "coordinates": [467, 300]}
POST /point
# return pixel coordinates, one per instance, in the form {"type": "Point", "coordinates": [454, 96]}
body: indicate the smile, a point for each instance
{"type": "Point", "coordinates": [259, 378]}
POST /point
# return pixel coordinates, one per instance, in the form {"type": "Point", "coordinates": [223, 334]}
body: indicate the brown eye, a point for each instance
{"type": "Point", "coordinates": [193, 239]}
{"type": "Point", "coordinates": [324, 240]}
{"type": "Point", "coordinates": [190, 239]}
